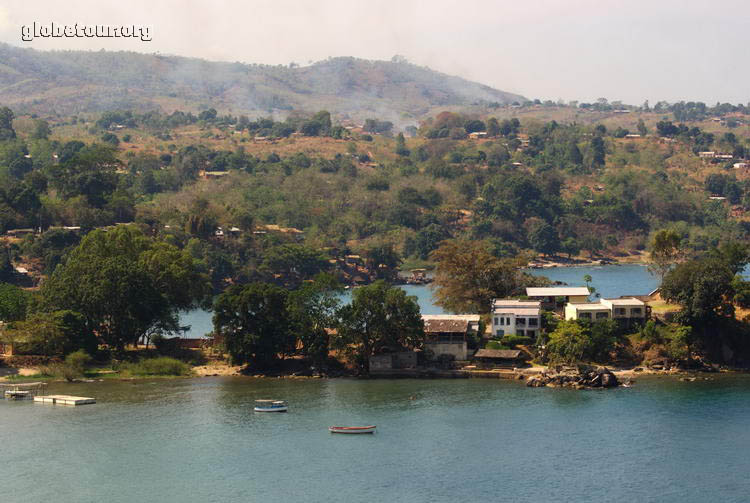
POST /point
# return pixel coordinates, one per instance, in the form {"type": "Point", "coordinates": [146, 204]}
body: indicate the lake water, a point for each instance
{"type": "Point", "coordinates": [197, 440]}
{"type": "Point", "coordinates": [609, 281]}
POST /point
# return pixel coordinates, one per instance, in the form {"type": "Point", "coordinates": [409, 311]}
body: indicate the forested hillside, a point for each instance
{"type": "Point", "coordinates": [283, 200]}
{"type": "Point", "coordinates": [76, 81]}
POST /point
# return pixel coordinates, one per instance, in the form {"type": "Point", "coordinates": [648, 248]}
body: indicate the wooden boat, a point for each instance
{"type": "Point", "coordinates": [270, 406]}
{"type": "Point", "coordinates": [352, 429]}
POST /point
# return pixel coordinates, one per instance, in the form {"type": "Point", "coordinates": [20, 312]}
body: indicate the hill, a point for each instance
{"type": "Point", "coordinates": [68, 82]}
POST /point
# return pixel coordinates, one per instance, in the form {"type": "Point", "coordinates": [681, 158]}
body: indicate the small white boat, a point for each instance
{"type": "Point", "coordinates": [352, 429]}
{"type": "Point", "coordinates": [270, 406]}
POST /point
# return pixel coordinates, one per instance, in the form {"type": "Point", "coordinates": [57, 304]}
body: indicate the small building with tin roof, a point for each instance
{"type": "Point", "coordinates": [488, 358]}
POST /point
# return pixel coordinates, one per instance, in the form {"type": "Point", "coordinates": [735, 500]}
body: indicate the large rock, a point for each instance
{"type": "Point", "coordinates": [602, 377]}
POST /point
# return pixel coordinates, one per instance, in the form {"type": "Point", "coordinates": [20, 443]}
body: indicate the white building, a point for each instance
{"type": "Point", "coordinates": [516, 317]}
{"type": "Point", "coordinates": [549, 295]}
{"type": "Point", "coordinates": [628, 309]}
{"type": "Point", "coordinates": [593, 311]}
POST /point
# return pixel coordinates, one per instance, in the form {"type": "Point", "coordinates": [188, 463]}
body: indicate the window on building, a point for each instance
{"type": "Point", "coordinates": [507, 321]}
{"type": "Point", "coordinates": [521, 321]}
{"type": "Point", "coordinates": [584, 316]}
{"type": "Point", "coordinates": [500, 333]}
{"type": "Point", "coordinates": [602, 315]}
{"type": "Point", "coordinates": [531, 333]}
{"type": "Point", "coordinates": [533, 322]}
{"type": "Point", "coordinates": [620, 311]}
{"type": "Point", "coordinates": [636, 310]}
{"type": "Point", "coordinates": [496, 323]}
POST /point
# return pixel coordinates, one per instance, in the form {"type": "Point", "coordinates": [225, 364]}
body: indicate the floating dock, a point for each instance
{"type": "Point", "coordinates": [18, 395]}
{"type": "Point", "coordinates": [64, 400]}
{"type": "Point", "coordinates": [22, 391]}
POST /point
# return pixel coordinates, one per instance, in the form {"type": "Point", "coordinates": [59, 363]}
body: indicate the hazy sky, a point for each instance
{"type": "Point", "coordinates": [571, 49]}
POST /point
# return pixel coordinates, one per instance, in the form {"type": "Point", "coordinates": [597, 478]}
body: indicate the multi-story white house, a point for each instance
{"type": "Point", "coordinates": [516, 317]}
{"type": "Point", "coordinates": [628, 309]}
{"type": "Point", "coordinates": [550, 294]}
{"type": "Point", "coordinates": [593, 311]}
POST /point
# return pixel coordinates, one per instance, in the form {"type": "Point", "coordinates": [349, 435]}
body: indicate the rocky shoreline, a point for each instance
{"type": "Point", "coordinates": [601, 377]}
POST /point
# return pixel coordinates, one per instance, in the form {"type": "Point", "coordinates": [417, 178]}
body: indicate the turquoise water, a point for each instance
{"type": "Point", "coordinates": [609, 281]}
{"type": "Point", "coordinates": [197, 440]}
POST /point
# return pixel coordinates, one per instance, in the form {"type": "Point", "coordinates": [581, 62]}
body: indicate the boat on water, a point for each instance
{"type": "Point", "coordinates": [352, 429]}
{"type": "Point", "coordinates": [270, 406]}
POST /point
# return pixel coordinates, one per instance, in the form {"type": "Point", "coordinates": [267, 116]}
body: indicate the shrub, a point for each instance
{"type": "Point", "coordinates": [515, 340]}
{"type": "Point", "coordinates": [495, 344]}
{"type": "Point", "coordinates": [78, 361]}
{"type": "Point", "coordinates": [160, 366]}
{"type": "Point", "coordinates": [74, 366]}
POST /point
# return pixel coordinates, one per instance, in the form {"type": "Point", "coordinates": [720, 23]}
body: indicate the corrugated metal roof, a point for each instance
{"type": "Point", "coordinates": [518, 311]}
{"type": "Point", "coordinates": [630, 301]}
{"type": "Point", "coordinates": [507, 354]}
{"type": "Point", "coordinates": [446, 326]}
{"type": "Point", "coordinates": [557, 291]}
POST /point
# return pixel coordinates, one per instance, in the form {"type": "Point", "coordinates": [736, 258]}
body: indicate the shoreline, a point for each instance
{"type": "Point", "coordinates": [518, 374]}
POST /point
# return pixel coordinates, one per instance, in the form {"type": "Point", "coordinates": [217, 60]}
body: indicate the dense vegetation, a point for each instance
{"type": "Point", "coordinates": [259, 209]}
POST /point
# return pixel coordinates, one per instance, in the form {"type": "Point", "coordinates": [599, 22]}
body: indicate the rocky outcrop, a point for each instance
{"type": "Point", "coordinates": [601, 377]}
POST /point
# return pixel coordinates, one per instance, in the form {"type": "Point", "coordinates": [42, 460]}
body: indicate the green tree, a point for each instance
{"type": "Point", "coordinates": [568, 343]}
{"type": "Point", "coordinates": [312, 309]}
{"type": "Point", "coordinates": [468, 276]}
{"type": "Point", "coordinates": [380, 317]}
{"type": "Point", "coordinates": [6, 124]}
{"type": "Point", "coordinates": [295, 261]}
{"type": "Point", "coordinates": [201, 220]}
{"type": "Point", "coordinates": [642, 130]}
{"type": "Point", "coordinates": [110, 138]}
{"type": "Point", "coordinates": [55, 333]}
{"type": "Point", "coordinates": [570, 247]}
{"type": "Point", "coordinates": [598, 153]}
{"type": "Point", "coordinates": [125, 285]}
{"type": "Point", "coordinates": [13, 303]}
{"type": "Point", "coordinates": [592, 244]}
{"type": "Point", "coordinates": [6, 266]}
{"type": "Point", "coordinates": [703, 288]}
{"type": "Point", "coordinates": [544, 239]}
{"type": "Point", "coordinates": [41, 130]}
{"type": "Point", "coordinates": [401, 146]}
{"type": "Point", "coordinates": [574, 154]}
{"type": "Point", "coordinates": [665, 251]}
{"type": "Point", "coordinates": [493, 127]}
{"type": "Point", "coordinates": [252, 321]}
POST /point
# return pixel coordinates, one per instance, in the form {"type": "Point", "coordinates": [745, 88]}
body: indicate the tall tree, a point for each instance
{"type": "Point", "coordinates": [380, 317]}
{"type": "Point", "coordinates": [252, 321]}
{"type": "Point", "coordinates": [6, 124]}
{"type": "Point", "coordinates": [312, 310]}
{"type": "Point", "coordinates": [544, 239]}
{"type": "Point", "coordinates": [664, 251]}
{"type": "Point", "coordinates": [125, 285]}
{"type": "Point", "coordinates": [468, 276]}
{"type": "Point", "coordinates": [703, 288]}
{"type": "Point", "coordinates": [598, 153]}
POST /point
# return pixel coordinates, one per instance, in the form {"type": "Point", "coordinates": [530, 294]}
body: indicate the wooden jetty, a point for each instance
{"type": "Point", "coordinates": [64, 400]}
{"type": "Point", "coordinates": [23, 391]}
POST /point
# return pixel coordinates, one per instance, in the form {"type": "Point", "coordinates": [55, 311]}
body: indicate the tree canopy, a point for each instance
{"type": "Point", "coordinates": [125, 285]}
{"type": "Point", "coordinates": [380, 318]}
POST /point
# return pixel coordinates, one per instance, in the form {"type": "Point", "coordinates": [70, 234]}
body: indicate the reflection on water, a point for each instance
{"type": "Point", "coordinates": [437, 440]}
